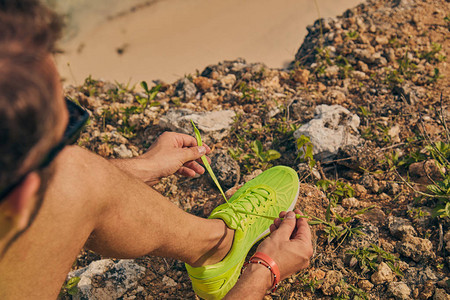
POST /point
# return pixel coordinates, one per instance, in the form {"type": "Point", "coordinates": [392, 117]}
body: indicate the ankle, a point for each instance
{"type": "Point", "coordinates": [219, 246]}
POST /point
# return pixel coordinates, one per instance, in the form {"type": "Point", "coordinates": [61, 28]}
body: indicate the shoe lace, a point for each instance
{"type": "Point", "coordinates": [249, 205]}
{"type": "Point", "coordinates": [237, 211]}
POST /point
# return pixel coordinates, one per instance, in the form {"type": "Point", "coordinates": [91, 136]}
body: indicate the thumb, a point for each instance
{"type": "Point", "coordinates": [193, 153]}
{"type": "Point", "coordinates": [287, 226]}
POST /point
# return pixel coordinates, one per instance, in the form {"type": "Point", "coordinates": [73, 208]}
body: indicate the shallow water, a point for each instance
{"type": "Point", "coordinates": [137, 40]}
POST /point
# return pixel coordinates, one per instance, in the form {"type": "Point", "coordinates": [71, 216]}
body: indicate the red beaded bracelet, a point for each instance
{"type": "Point", "coordinates": [269, 263]}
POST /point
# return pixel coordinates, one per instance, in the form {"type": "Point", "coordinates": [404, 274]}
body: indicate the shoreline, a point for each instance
{"type": "Point", "coordinates": [167, 39]}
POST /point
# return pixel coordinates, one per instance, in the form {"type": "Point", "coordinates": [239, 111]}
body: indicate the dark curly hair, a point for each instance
{"type": "Point", "coordinates": [28, 34]}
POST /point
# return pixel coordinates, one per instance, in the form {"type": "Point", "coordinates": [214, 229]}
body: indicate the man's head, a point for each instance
{"type": "Point", "coordinates": [32, 112]}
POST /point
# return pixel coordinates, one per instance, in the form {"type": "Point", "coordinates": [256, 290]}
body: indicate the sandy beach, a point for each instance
{"type": "Point", "coordinates": [148, 40]}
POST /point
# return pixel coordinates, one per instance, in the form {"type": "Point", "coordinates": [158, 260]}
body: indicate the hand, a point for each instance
{"type": "Point", "coordinates": [289, 244]}
{"type": "Point", "coordinates": [171, 153]}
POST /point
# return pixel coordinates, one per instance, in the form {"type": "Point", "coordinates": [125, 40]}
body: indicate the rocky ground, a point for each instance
{"type": "Point", "coordinates": [370, 91]}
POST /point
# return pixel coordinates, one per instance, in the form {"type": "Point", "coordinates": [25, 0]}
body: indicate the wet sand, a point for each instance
{"type": "Point", "coordinates": [170, 38]}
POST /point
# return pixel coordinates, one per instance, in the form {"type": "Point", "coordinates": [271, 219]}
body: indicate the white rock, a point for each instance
{"type": "Point", "coordinates": [330, 129]}
{"type": "Point", "coordinates": [399, 290]}
{"type": "Point", "coordinates": [215, 124]}
{"type": "Point", "coordinates": [359, 75]}
{"type": "Point", "coordinates": [228, 81]}
{"type": "Point", "coordinates": [112, 280]}
{"type": "Point", "coordinates": [331, 71]}
{"type": "Point", "coordinates": [382, 275]}
{"type": "Point", "coordinates": [440, 294]}
{"type": "Point", "coordinates": [169, 281]}
{"type": "Point", "coordinates": [350, 202]}
{"type": "Point", "coordinates": [123, 152]}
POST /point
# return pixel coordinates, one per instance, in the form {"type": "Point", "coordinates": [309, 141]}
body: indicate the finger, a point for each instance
{"type": "Point", "coordinates": [186, 172]}
{"type": "Point", "coordinates": [201, 162]}
{"type": "Point", "coordinates": [303, 230]}
{"type": "Point", "coordinates": [277, 222]}
{"type": "Point", "coordinates": [193, 153]}
{"type": "Point", "coordinates": [287, 226]}
{"type": "Point", "coordinates": [195, 167]}
{"type": "Point", "coordinates": [208, 150]}
{"type": "Point", "coordinates": [272, 228]}
{"type": "Point", "coordinates": [282, 214]}
{"type": "Point", "coordinates": [184, 140]}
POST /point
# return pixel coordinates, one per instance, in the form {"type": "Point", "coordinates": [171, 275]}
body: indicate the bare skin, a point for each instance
{"type": "Point", "coordinates": [94, 203]}
{"type": "Point", "coordinates": [289, 245]}
{"type": "Point", "coordinates": [107, 206]}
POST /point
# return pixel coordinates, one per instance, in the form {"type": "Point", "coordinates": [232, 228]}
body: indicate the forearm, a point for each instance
{"type": "Point", "coordinates": [253, 283]}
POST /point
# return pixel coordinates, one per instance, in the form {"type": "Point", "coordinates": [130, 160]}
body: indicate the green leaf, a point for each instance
{"type": "Point", "coordinates": [273, 154]}
{"type": "Point", "coordinates": [206, 163]}
{"type": "Point", "coordinates": [73, 291]}
{"type": "Point", "coordinates": [316, 222]}
{"type": "Point", "coordinates": [347, 219]}
{"type": "Point", "coordinates": [257, 147]}
{"type": "Point", "coordinates": [364, 210]}
{"type": "Point", "coordinates": [72, 282]}
{"type": "Point", "coordinates": [328, 213]}
{"type": "Point", "coordinates": [144, 86]}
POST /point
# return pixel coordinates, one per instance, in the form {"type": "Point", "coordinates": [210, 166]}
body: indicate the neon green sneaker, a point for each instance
{"type": "Point", "coordinates": [271, 192]}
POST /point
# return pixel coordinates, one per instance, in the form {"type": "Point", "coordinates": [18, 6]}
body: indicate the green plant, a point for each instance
{"type": "Point", "coordinates": [344, 67]}
{"type": "Point", "coordinates": [365, 113]}
{"type": "Point", "coordinates": [436, 76]}
{"type": "Point", "coordinates": [439, 190]}
{"type": "Point", "coordinates": [368, 259]}
{"type": "Point", "coordinates": [338, 227]}
{"type": "Point", "coordinates": [417, 213]}
{"type": "Point", "coordinates": [447, 21]}
{"type": "Point", "coordinates": [263, 157]}
{"type": "Point", "coordinates": [440, 152]}
{"type": "Point", "coordinates": [431, 56]}
{"type": "Point", "coordinates": [151, 95]}
{"type": "Point", "coordinates": [305, 150]}
{"type": "Point", "coordinates": [392, 160]}
{"type": "Point", "coordinates": [235, 153]}
{"type": "Point", "coordinates": [126, 129]}
{"type": "Point", "coordinates": [352, 35]}
{"type": "Point", "coordinates": [248, 93]}
{"type": "Point", "coordinates": [309, 282]}
{"type": "Point", "coordinates": [70, 287]}
{"type": "Point", "coordinates": [335, 190]}
{"type": "Point", "coordinates": [406, 67]}
{"type": "Point", "coordinates": [393, 77]}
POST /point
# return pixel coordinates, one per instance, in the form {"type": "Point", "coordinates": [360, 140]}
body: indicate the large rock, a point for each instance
{"type": "Point", "coordinates": [214, 125]}
{"type": "Point", "coordinates": [186, 89]}
{"type": "Point", "coordinates": [226, 169]}
{"type": "Point", "coordinates": [399, 290]}
{"type": "Point", "coordinates": [416, 248]}
{"type": "Point", "coordinates": [332, 128]}
{"type": "Point", "coordinates": [400, 227]}
{"type": "Point", "coordinates": [104, 279]}
{"type": "Point", "coordinates": [330, 285]}
{"type": "Point", "coordinates": [382, 275]}
{"type": "Point", "coordinates": [440, 294]}
{"type": "Point", "coordinates": [370, 234]}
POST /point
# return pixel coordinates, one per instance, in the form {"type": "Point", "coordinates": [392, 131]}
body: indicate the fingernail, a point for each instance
{"type": "Point", "coordinates": [290, 215]}
{"type": "Point", "coordinates": [201, 150]}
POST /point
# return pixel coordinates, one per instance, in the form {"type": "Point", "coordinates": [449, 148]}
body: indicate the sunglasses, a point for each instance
{"type": "Point", "coordinates": [78, 117]}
